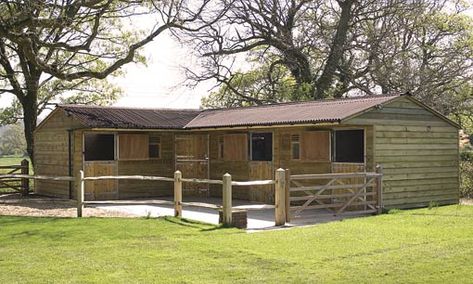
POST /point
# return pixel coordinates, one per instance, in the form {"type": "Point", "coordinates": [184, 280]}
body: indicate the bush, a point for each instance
{"type": "Point", "coordinates": [466, 174]}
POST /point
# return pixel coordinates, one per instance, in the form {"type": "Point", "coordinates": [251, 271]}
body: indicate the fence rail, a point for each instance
{"type": "Point", "coordinates": [226, 183]}
{"type": "Point", "coordinates": [12, 180]}
{"type": "Point", "coordinates": [341, 195]}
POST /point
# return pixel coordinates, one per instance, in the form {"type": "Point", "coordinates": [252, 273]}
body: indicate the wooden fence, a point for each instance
{"type": "Point", "coordinates": [333, 194]}
{"type": "Point", "coordinates": [341, 193]}
{"type": "Point", "coordinates": [9, 180]}
{"type": "Point", "coordinates": [177, 180]}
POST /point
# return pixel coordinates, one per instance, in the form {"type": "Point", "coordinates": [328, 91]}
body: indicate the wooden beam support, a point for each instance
{"type": "Point", "coordinates": [177, 194]}
{"type": "Point", "coordinates": [280, 198]}
{"type": "Point", "coordinates": [25, 183]}
{"type": "Point", "coordinates": [379, 188]}
{"type": "Point", "coordinates": [80, 193]}
{"type": "Point", "coordinates": [287, 195]}
{"type": "Point", "coordinates": [227, 199]}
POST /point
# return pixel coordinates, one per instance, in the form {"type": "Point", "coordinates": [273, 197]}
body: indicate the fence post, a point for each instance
{"type": "Point", "coordinates": [379, 188]}
{"type": "Point", "coordinates": [280, 198]}
{"type": "Point", "coordinates": [227, 199]}
{"type": "Point", "coordinates": [25, 183]}
{"type": "Point", "coordinates": [287, 190]}
{"type": "Point", "coordinates": [80, 193]}
{"type": "Point", "coordinates": [177, 194]}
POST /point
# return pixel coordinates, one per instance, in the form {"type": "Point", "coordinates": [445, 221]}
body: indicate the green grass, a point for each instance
{"type": "Point", "coordinates": [415, 246]}
{"type": "Point", "coordinates": [10, 160]}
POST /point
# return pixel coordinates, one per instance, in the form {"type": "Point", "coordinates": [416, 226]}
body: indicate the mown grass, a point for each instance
{"type": "Point", "coordinates": [417, 246]}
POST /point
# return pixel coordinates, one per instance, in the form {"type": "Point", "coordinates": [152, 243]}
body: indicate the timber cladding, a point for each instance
{"type": "Point", "coordinates": [417, 148]}
{"type": "Point", "coordinates": [419, 154]}
{"type": "Point", "coordinates": [51, 155]}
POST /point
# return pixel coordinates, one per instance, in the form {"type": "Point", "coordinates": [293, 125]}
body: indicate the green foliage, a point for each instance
{"type": "Point", "coordinates": [422, 246]}
{"type": "Point", "coordinates": [254, 87]}
{"type": "Point", "coordinates": [12, 141]}
{"type": "Point", "coordinates": [466, 176]}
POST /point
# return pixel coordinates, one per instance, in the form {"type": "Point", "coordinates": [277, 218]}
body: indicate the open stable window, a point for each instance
{"type": "Point", "coordinates": [348, 146]}
{"type": "Point", "coordinates": [154, 147]}
{"type": "Point", "coordinates": [133, 146]}
{"type": "Point", "coordinates": [99, 147]}
{"type": "Point", "coordinates": [261, 146]}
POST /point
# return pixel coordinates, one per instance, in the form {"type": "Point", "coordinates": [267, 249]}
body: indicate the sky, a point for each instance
{"type": "Point", "coordinates": [161, 83]}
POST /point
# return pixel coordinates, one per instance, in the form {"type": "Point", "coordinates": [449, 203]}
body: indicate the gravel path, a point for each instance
{"type": "Point", "coordinates": [16, 205]}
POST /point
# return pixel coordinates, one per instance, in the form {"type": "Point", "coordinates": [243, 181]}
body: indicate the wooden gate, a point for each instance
{"type": "Point", "coordinates": [261, 170]}
{"type": "Point", "coordinates": [101, 189]}
{"type": "Point", "coordinates": [10, 185]}
{"type": "Point", "coordinates": [192, 159]}
{"type": "Point", "coordinates": [339, 193]}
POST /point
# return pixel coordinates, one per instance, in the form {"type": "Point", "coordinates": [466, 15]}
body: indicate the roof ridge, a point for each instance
{"type": "Point", "coordinates": [305, 102]}
{"type": "Point", "coordinates": [125, 108]}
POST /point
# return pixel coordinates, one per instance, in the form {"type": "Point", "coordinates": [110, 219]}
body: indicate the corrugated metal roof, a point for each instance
{"type": "Point", "coordinates": [275, 114]}
{"type": "Point", "coordinates": [287, 113]}
{"type": "Point", "coordinates": [130, 118]}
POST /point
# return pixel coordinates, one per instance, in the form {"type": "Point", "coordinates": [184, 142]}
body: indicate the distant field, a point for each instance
{"type": "Point", "coordinates": [8, 161]}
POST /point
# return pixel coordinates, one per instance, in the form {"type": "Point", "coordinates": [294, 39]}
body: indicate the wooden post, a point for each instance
{"type": "Point", "coordinates": [379, 188]}
{"type": "Point", "coordinates": [25, 183]}
{"type": "Point", "coordinates": [80, 193]}
{"type": "Point", "coordinates": [287, 189]}
{"type": "Point", "coordinates": [177, 194]}
{"type": "Point", "coordinates": [227, 199]}
{"type": "Point", "coordinates": [280, 198]}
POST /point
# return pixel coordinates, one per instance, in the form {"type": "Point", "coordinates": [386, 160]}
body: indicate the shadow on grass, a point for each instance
{"type": "Point", "coordinates": [204, 227]}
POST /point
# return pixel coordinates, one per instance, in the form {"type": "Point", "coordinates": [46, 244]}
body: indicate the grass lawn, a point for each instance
{"type": "Point", "coordinates": [406, 247]}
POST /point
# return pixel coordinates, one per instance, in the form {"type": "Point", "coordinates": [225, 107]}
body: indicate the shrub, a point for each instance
{"type": "Point", "coordinates": [466, 174]}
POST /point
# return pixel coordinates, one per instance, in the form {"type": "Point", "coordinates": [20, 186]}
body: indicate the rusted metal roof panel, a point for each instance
{"type": "Point", "coordinates": [275, 114]}
{"type": "Point", "coordinates": [287, 113]}
{"type": "Point", "coordinates": [130, 118]}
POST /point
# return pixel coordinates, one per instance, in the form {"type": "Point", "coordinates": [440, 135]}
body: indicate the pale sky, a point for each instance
{"type": "Point", "coordinates": [160, 84]}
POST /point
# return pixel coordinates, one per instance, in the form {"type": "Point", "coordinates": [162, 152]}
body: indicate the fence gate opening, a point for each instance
{"type": "Point", "coordinates": [192, 159]}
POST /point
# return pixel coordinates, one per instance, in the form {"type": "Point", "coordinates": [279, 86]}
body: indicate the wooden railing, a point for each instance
{"type": "Point", "coordinates": [293, 193]}
{"type": "Point", "coordinates": [332, 192]}
{"type": "Point", "coordinates": [226, 182]}
{"type": "Point", "coordinates": [10, 178]}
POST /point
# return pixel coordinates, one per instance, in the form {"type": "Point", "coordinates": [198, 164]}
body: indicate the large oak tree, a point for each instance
{"type": "Point", "coordinates": [48, 47]}
{"type": "Point", "coordinates": [331, 48]}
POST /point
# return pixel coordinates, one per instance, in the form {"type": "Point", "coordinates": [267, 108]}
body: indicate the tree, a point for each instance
{"type": "Point", "coordinates": [12, 140]}
{"type": "Point", "coordinates": [306, 37]}
{"type": "Point", "coordinates": [51, 47]}
{"type": "Point", "coordinates": [333, 48]}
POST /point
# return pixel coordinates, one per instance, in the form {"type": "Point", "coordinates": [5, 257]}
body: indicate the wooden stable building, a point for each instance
{"type": "Point", "coordinates": [417, 147]}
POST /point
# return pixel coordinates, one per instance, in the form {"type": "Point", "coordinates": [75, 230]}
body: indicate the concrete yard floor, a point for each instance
{"type": "Point", "coordinates": [260, 216]}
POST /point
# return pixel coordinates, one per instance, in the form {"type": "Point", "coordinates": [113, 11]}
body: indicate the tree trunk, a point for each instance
{"type": "Point", "coordinates": [325, 81]}
{"type": "Point", "coordinates": [29, 105]}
